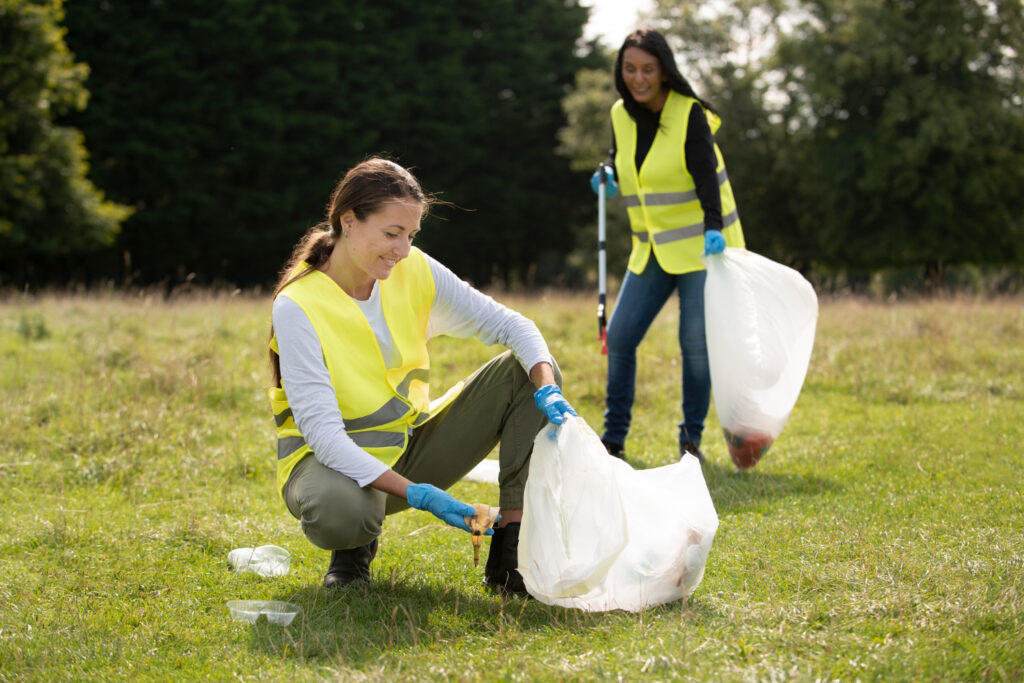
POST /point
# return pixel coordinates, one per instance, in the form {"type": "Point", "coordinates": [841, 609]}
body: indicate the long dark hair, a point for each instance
{"type": "Point", "coordinates": [653, 43]}
{"type": "Point", "coordinates": [364, 190]}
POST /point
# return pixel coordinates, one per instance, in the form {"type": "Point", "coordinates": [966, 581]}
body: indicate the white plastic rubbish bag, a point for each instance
{"type": "Point", "coordinates": [265, 560]}
{"type": "Point", "coordinates": [759, 319]}
{"type": "Point", "coordinates": [598, 535]}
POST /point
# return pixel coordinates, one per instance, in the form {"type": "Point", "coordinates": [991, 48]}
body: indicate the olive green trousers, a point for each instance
{"type": "Point", "coordinates": [494, 407]}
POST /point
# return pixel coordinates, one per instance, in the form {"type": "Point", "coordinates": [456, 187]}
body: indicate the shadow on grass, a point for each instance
{"type": "Point", "coordinates": [735, 491]}
{"type": "Point", "coordinates": [355, 625]}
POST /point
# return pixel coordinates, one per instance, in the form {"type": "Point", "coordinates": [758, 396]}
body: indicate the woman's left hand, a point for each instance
{"type": "Point", "coordinates": [551, 402]}
{"type": "Point", "coordinates": [714, 242]}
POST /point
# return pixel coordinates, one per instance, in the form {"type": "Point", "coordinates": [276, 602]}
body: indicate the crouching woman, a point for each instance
{"type": "Point", "coordinates": [359, 437]}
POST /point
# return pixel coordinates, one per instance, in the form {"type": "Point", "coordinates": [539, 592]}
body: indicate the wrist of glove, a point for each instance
{"type": "Point", "coordinates": [714, 242]}
{"type": "Point", "coordinates": [439, 503]}
{"type": "Point", "coordinates": [611, 188]}
{"type": "Point", "coordinates": [550, 401]}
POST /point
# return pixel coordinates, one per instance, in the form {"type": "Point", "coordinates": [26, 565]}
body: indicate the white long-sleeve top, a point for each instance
{"type": "Point", "coordinates": [458, 310]}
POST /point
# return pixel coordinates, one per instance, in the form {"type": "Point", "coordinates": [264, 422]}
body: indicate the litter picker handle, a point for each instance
{"type": "Point", "coordinates": [602, 285]}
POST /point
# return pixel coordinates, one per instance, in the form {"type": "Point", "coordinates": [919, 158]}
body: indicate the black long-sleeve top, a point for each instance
{"type": "Point", "coordinates": [699, 152]}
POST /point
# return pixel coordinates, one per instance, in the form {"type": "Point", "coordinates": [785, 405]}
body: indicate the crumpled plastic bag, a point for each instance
{"type": "Point", "coordinates": [598, 535]}
{"type": "Point", "coordinates": [759, 320]}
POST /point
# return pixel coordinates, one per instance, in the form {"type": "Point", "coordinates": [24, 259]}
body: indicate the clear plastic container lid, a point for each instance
{"type": "Point", "coordinates": [276, 611]}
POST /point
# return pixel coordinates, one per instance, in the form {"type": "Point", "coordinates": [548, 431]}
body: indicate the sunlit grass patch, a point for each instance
{"type": "Point", "coordinates": [880, 538]}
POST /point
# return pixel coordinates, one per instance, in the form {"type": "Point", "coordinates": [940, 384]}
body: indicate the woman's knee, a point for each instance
{"type": "Point", "coordinates": [334, 511]}
{"type": "Point", "coordinates": [522, 378]}
{"type": "Point", "coordinates": [692, 337]}
{"type": "Point", "coordinates": [621, 338]}
{"type": "Point", "coordinates": [342, 522]}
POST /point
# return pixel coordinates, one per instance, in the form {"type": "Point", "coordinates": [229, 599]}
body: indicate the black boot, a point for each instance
{"type": "Point", "coordinates": [350, 566]}
{"type": "Point", "coordinates": [691, 448]}
{"type": "Point", "coordinates": [501, 571]}
{"type": "Point", "coordinates": [616, 449]}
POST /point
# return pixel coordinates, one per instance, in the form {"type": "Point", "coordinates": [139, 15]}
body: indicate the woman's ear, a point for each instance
{"type": "Point", "coordinates": [347, 220]}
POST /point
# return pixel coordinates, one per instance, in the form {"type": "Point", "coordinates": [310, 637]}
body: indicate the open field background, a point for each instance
{"type": "Point", "coordinates": [882, 537]}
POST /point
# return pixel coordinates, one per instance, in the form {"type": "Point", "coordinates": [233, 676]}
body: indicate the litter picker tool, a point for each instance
{"type": "Point", "coordinates": [602, 285]}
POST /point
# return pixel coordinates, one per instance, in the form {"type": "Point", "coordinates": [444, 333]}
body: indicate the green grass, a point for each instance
{"type": "Point", "coordinates": [882, 537]}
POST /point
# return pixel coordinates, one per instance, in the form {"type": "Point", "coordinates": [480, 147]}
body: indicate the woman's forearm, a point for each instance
{"type": "Point", "coordinates": [391, 482]}
{"type": "Point", "coordinates": [541, 375]}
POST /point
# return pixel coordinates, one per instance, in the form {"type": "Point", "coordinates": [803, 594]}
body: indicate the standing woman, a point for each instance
{"type": "Point", "coordinates": [358, 435]}
{"type": "Point", "coordinates": [680, 205]}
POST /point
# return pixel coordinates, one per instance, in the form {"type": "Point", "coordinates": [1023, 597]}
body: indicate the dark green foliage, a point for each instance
{"type": "Point", "coordinates": [914, 129]}
{"type": "Point", "coordinates": [866, 134]}
{"type": "Point", "coordinates": [47, 206]}
{"type": "Point", "coordinates": [227, 124]}
{"type": "Point", "coordinates": [586, 141]}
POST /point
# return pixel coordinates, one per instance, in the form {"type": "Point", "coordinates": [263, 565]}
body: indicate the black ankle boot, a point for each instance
{"type": "Point", "coordinates": [691, 448]}
{"type": "Point", "coordinates": [501, 571]}
{"type": "Point", "coordinates": [616, 449]}
{"type": "Point", "coordinates": [350, 566]}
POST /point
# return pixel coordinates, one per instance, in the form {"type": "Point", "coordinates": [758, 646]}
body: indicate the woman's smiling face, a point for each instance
{"type": "Point", "coordinates": [644, 78]}
{"type": "Point", "coordinates": [374, 246]}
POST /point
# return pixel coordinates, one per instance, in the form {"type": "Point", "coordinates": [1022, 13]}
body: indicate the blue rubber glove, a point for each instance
{"type": "Point", "coordinates": [610, 187]}
{"type": "Point", "coordinates": [440, 504]}
{"type": "Point", "coordinates": [714, 242]}
{"type": "Point", "coordinates": [551, 402]}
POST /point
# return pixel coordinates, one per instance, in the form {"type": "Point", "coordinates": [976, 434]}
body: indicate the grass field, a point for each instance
{"type": "Point", "coordinates": [882, 537]}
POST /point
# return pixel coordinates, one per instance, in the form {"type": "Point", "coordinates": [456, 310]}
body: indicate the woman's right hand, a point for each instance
{"type": "Point", "coordinates": [440, 504]}
{"type": "Point", "coordinates": [610, 186]}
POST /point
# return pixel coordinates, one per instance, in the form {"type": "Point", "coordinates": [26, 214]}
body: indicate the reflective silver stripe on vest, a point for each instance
{"type": "Point", "coordinates": [394, 409]}
{"type": "Point", "coordinates": [642, 236]}
{"type": "Point", "coordinates": [421, 374]}
{"type": "Point", "coordinates": [421, 418]}
{"type": "Point", "coordinates": [667, 198]}
{"type": "Point", "coordinates": [282, 417]}
{"type": "Point", "coordinates": [661, 198]}
{"type": "Point", "coordinates": [676, 234]}
{"type": "Point", "coordinates": [389, 412]}
{"type": "Point", "coordinates": [688, 231]}
{"type": "Point", "coordinates": [288, 445]}
{"type": "Point", "coordinates": [378, 439]}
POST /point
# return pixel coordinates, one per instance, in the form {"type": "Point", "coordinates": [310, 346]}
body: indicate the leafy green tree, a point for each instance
{"type": "Point", "coordinates": [585, 140]}
{"type": "Point", "coordinates": [227, 124]}
{"type": "Point", "coordinates": [912, 130]}
{"type": "Point", "coordinates": [47, 206]}
{"type": "Point", "coordinates": [586, 110]}
{"type": "Point", "coordinates": [224, 124]}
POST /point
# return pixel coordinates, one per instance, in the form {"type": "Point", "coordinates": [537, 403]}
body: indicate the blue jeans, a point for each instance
{"type": "Point", "coordinates": [640, 300]}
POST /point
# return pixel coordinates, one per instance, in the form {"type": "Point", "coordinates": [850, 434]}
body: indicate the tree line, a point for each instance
{"type": "Point", "coordinates": [859, 134]}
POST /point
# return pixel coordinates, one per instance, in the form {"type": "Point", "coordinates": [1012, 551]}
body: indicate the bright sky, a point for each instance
{"type": "Point", "coordinates": [613, 20]}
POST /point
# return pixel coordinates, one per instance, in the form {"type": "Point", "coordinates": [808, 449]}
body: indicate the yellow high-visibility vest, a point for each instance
{"type": "Point", "coordinates": [661, 198]}
{"type": "Point", "coordinates": [380, 406]}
